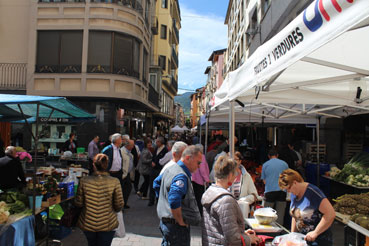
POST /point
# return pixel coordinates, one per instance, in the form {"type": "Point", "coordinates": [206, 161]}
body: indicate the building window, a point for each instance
{"type": "Point", "coordinates": [164, 4]}
{"type": "Point", "coordinates": [59, 51]}
{"type": "Point", "coordinates": [254, 23]}
{"type": "Point", "coordinates": [111, 52]}
{"type": "Point", "coordinates": [162, 62]}
{"type": "Point", "coordinates": [153, 80]}
{"type": "Point", "coordinates": [169, 65]}
{"type": "Point", "coordinates": [163, 32]}
{"type": "Point", "coordinates": [145, 62]}
{"type": "Point", "coordinates": [265, 6]}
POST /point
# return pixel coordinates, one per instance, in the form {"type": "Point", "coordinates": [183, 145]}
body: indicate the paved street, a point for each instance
{"type": "Point", "coordinates": [141, 224]}
{"type": "Point", "coordinates": [142, 228]}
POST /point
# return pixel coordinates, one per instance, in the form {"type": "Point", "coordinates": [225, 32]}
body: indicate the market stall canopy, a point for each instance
{"type": "Point", "coordinates": [185, 128]}
{"type": "Point", "coordinates": [317, 65]}
{"type": "Point", "coordinates": [12, 107]}
{"type": "Point", "coordinates": [177, 129]}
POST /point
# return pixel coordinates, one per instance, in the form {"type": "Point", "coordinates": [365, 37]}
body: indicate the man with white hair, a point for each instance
{"type": "Point", "coordinates": [11, 171]}
{"type": "Point", "coordinates": [177, 151]}
{"type": "Point", "coordinates": [115, 157]}
{"type": "Point", "coordinates": [177, 207]}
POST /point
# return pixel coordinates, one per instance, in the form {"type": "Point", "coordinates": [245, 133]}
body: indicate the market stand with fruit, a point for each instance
{"type": "Point", "coordinates": [48, 186]}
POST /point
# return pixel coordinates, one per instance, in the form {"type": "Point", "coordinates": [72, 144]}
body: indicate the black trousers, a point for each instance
{"type": "Point", "coordinates": [118, 175]}
{"type": "Point", "coordinates": [125, 184]}
{"type": "Point", "coordinates": [127, 188]}
{"type": "Point", "coordinates": [154, 173]}
{"type": "Point", "coordinates": [199, 191]}
{"type": "Point", "coordinates": [137, 180]}
{"type": "Point", "coordinates": [145, 185]}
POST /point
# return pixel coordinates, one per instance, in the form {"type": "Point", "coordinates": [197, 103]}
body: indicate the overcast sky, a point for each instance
{"type": "Point", "coordinates": [202, 32]}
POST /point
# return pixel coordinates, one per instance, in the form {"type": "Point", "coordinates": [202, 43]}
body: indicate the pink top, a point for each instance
{"type": "Point", "coordinates": [202, 174]}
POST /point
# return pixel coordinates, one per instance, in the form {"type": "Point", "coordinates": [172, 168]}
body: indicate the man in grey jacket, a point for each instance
{"type": "Point", "coordinates": [177, 207]}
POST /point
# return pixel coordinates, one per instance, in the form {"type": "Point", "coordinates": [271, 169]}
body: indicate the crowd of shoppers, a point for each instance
{"type": "Point", "coordinates": [192, 186]}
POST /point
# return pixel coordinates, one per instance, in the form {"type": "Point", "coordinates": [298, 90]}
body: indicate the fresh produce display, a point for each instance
{"type": "Point", "coordinates": [15, 201]}
{"type": "Point", "coordinates": [353, 204]}
{"type": "Point", "coordinates": [4, 213]}
{"type": "Point", "coordinates": [355, 172]}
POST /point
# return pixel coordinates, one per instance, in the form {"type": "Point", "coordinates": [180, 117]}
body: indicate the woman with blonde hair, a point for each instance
{"type": "Point", "coordinates": [223, 223]}
{"type": "Point", "coordinates": [100, 197]}
{"type": "Point", "coordinates": [312, 213]}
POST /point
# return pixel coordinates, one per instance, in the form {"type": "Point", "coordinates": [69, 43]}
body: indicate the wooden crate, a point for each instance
{"type": "Point", "coordinates": [311, 151]}
{"type": "Point", "coordinates": [51, 201]}
{"type": "Point", "coordinates": [349, 150]}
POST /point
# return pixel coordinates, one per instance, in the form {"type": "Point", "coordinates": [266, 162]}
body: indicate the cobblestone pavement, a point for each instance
{"type": "Point", "coordinates": [142, 227]}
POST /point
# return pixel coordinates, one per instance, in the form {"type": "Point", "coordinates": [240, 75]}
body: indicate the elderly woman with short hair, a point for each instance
{"type": "Point", "coordinates": [223, 223]}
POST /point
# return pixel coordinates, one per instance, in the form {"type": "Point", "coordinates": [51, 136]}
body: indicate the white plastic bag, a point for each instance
{"type": "Point", "coordinates": [292, 239]}
{"type": "Point", "coordinates": [121, 230]}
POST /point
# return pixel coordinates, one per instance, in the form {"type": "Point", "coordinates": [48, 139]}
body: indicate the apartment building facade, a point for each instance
{"type": "Point", "coordinates": [94, 52]}
{"type": "Point", "coordinates": [215, 75]}
{"type": "Point", "coordinates": [253, 22]}
{"type": "Point", "coordinates": [164, 59]}
{"type": "Point", "coordinates": [197, 106]}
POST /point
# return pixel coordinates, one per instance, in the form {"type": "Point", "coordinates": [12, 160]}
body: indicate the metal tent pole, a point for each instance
{"type": "Point", "coordinates": [207, 129]}
{"type": "Point", "coordinates": [318, 150]}
{"type": "Point", "coordinates": [231, 128]}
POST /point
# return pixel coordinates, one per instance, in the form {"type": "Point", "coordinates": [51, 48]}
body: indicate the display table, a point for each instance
{"type": "Point", "coordinates": [361, 234]}
{"type": "Point", "coordinates": [341, 188]}
{"type": "Point", "coordinates": [19, 233]}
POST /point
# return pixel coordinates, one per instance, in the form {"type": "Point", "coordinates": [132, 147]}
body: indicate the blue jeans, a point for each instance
{"type": "Point", "coordinates": [175, 235]}
{"type": "Point", "coordinates": [100, 238]}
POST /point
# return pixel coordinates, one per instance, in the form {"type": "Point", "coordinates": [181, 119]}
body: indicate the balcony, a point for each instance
{"type": "Point", "coordinates": [153, 96]}
{"type": "Point", "coordinates": [155, 25]}
{"type": "Point", "coordinates": [127, 3]}
{"type": "Point", "coordinates": [13, 76]}
{"type": "Point", "coordinates": [175, 56]}
{"type": "Point", "coordinates": [61, 1]}
{"type": "Point", "coordinates": [174, 83]}
{"type": "Point", "coordinates": [176, 32]}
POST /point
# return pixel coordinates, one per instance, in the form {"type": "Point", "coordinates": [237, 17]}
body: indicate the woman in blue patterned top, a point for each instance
{"type": "Point", "coordinates": [312, 214]}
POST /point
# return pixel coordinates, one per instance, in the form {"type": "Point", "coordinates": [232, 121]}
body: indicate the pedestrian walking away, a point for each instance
{"type": "Point", "coordinates": [100, 197]}
{"type": "Point", "coordinates": [127, 167]}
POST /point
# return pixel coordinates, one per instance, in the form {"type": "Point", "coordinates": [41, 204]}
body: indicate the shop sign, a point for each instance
{"type": "Point", "coordinates": [54, 120]}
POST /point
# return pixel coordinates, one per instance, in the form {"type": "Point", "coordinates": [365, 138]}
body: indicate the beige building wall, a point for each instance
{"type": "Point", "coordinates": [14, 30]}
{"type": "Point", "coordinates": [20, 20]}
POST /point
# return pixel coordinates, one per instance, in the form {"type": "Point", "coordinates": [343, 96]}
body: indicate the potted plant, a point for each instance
{"type": "Point", "coordinates": [51, 187]}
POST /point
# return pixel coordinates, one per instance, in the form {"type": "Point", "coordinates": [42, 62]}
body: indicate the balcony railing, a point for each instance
{"type": "Point", "coordinates": [153, 96]}
{"type": "Point", "coordinates": [175, 56]}
{"type": "Point", "coordinates": [175, 31]}
{"type": "Point", "coordinates": [13, 76]}
{"type": "Point", "coordinates": [61, 1]}
{"type": "Point", "coordinates": [58, 69]}
{"type": "Point", "coordinates": [174, 83]}
{"type": "Point", "coordinates": [116, 70]}
{"type": "Point", "coordinates": [127, 3]}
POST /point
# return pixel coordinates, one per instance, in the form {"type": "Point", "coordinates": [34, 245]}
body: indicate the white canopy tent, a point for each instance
{"type": "Point", "coordinates": [317, 66]}
{"type": "Point", "coordinates": [177, 129]}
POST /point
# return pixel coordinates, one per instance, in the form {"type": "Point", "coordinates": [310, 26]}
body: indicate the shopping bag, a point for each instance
{"type": "Point", "coordinates": [121, 230]}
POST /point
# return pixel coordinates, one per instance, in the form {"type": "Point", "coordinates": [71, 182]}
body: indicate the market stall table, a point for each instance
{"type": "Point", "coordinates": [340, 188]}
{"type": "Point", "coordinates": [19, 233]}
{"type": "Point", "coordinates": [361, 235]}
